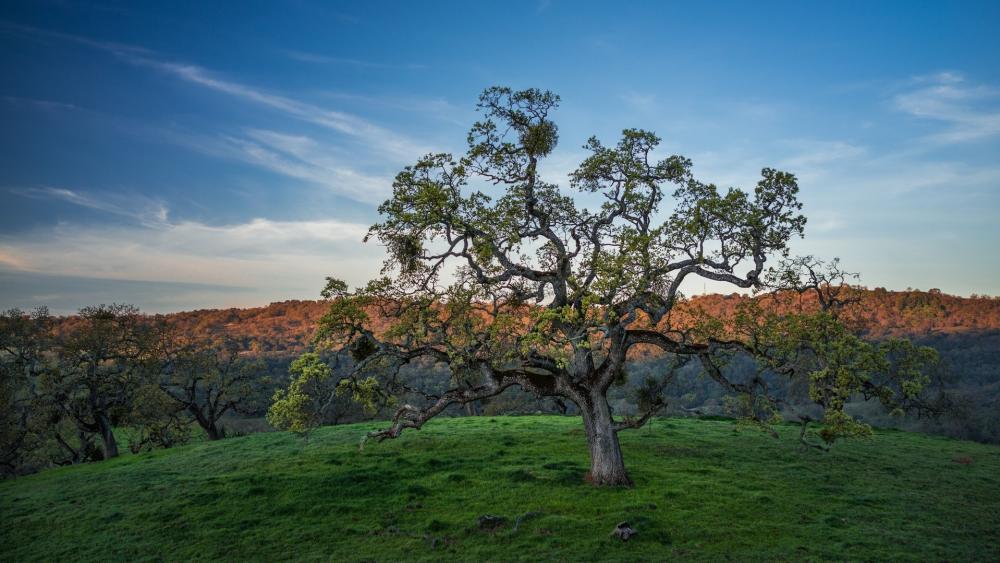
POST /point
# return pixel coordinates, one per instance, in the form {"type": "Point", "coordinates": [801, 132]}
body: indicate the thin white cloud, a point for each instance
{"type": "Point", "coordinates": [640, 102]}
{"type": "Point", "coordinates": [826, 221]}
{"type": "Point", "coordinates": [187, 233]}
{"type": "Point", "coordinates": [110, 46]}
{"type": "Point", "coordinates": [970, 112]}
{"type": "Point", "coordinates": [46, 105]}
{"type": "Point", "coordinates": [282, 258]}
{"type": "Point", "coordinates": [904, 177]}
{"type": "Point", "coordinates": [808, 154]}
{"type": "Point", "coordinates": [436, 108]}
{"type": "Point", "coordinates": [375, 137]}
{"type": "Point", "coordinates": [315, 58]}
{"type": "Point", "coordinates": [943, 77]}
{"type": "Point", "coordinates": [142, 209]}
{"type": "Point", "coordinates": [13, 262]}
{"type": "Point", "coordinates": [296, 156]}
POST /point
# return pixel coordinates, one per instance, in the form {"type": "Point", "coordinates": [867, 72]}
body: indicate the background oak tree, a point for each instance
{"type": "Point", "coordinates": [24, 340]}
{"type": "Point", "coordinates": [209, 378]}
{"type": "Point", "coordinates": [99, 365]}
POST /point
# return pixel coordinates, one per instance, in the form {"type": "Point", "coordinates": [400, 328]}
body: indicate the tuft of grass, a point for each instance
{"type": "Point", "coordinates": [701, 494]}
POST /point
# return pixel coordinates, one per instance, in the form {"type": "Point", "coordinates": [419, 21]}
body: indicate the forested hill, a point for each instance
{"type": "Point", "coordinates": [287, 327]}
{"type": "Point", "coordinates": [964, 330]}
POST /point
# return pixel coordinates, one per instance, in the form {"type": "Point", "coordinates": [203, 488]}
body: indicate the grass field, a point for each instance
{"type": "Point", "coordinates": [703, 492]}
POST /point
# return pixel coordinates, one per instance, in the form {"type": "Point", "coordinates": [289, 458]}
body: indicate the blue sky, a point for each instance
{"type": "Point", "coordinates": [179, 155]}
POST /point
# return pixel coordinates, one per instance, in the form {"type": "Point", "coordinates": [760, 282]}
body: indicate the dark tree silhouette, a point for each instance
{"type": "Point", "coordinates": [210, 378]}
{"type": "Point", "coordinates": [100, 365]}
{"type": "Point", "coordinates": [24, 339]}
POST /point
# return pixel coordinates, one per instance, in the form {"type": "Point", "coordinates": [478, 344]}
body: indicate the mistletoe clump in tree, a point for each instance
{"type": "Point", "coordinates": [505, 279]}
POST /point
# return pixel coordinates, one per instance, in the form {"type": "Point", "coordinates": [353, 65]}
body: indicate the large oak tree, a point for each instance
{"type": "Point", "coordinates": [505, 278]}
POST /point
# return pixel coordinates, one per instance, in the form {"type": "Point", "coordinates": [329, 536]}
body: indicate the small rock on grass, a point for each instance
{"type": "Point", "coordinates": [490, 523]}
{"type": "Point", "coordinates": [623, 531]}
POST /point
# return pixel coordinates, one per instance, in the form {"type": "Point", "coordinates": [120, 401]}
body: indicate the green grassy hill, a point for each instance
{"type": "Point", "coordinates": [703, 492]}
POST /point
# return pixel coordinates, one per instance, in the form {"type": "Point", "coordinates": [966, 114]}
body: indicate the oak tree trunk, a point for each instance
{"type": "Point", "coordinates": [215, 432]}
{"type": "Point", "coordinates": [207, 423]}
{"type": "Point", "coordinates": [107, 436]}
{"type": "Point", "coordinates": [607, 468]}
{"type": "Point", "coordinates": [470, 409]}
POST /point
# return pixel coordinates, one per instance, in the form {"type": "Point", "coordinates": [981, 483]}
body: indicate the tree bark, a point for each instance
{"type": "Point", "coordinates": [472, 408]}
{"type": "Point", "coordinates": [207, 423]}
{"type": "Point", "coordinates": [108, 437]}
{"type": "Point", "coordinates": [215, 432]}
{"type": "Point", "coordinates": [607, 468]}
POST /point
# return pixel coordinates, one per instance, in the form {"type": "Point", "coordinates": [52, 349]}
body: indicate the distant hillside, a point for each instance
{"type": "Point", "coordinates": [287, 327]}
{"type": "Point", "coordinates": [910, 313]}
{"type": "Point", "coordinates": [964, 330]}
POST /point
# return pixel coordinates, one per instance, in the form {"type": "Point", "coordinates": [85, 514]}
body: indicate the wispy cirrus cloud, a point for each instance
{"type": "Point", "coordinates": [144, 210]}
{"type": "Point", "coordinates": [440, 109]}
{"type": "Point", "coordinates": [299, 156]}
{"type": "Point", "coordinates": [8, 260]}
{"type": "Point", "coordinates": [362, 130]}
{"type": "Point", "coordinates": [46, 105]}
{"type": "Point", "coordinates": [260, 254]}
{"type": "Point", "coordinates": [296, 156]}
{"type": "Point", "coordinates": [307, 57]}
{"type": "Point", "coordinates": [809, 154]}
{"type": "Point", "coordinates": [640, 102]}
{"type": "Point", "coordinates": [302, 157]}
{"type": "Point", "coordinates": [970, 112]}
{"type": "Point", "coordinates": [374, 136]}
{"type": "Point", "coordinates": [39, 33]}
{"type": "Point", "coordinates": [902, 176]}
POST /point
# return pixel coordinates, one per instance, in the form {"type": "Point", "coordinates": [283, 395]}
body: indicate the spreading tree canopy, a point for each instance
{"type": "Point", "coordinates": [208, 377]}
{"type": "Point", "coordinates": [509, 281]}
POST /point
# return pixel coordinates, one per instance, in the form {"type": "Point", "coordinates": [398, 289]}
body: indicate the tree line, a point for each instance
{"type": "Point", "coordinates": [287, 328]}
{"type": "Point", "coordinates": [76, 388]}
{"type": "Point", "coordinates": [74, 392]}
